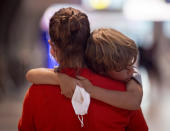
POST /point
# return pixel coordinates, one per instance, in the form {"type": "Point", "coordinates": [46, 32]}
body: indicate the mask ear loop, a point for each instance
{"type": "Point", "coordinates": [81, 120]}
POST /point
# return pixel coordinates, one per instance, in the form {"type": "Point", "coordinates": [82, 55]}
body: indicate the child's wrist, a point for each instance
{"type": "Point", "coordinates": [91, 90]}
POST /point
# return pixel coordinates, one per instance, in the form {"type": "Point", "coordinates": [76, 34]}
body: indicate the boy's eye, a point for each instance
{"type": "Point", "coordinates": [130, 67]}
{"type": "Point", "coordinates": [126, 68]}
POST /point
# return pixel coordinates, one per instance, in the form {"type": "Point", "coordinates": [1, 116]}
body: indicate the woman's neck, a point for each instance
{"type": "Point", "coordinates": [76, 62]}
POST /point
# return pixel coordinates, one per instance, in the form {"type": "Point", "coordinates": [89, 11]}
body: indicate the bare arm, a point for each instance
{"type": "Point", "coordinates": [48, 76]}
{"type": "Point", "coordinates": [42, 76]}
{"type": "Point", "coordinates": [131, 99]}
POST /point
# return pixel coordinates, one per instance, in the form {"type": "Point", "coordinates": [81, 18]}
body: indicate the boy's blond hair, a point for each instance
{"type": "Point", "coordinates": [108, 49]}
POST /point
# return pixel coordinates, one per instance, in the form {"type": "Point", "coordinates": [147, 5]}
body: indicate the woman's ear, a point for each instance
{"type": "Point", "coordinates": [50, 42]}
{"type": "Point", "coordinates": [53, 50]}
{"type": "Point", "coordinates": [53, 47]}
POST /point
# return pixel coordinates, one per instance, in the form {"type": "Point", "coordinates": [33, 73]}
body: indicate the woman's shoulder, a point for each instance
{"type": "Point", "coordinates": [40, 88]}
{"type": "Point", "coordinates": [103, 81]}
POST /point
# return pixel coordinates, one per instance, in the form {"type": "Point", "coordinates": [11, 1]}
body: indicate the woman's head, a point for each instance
{"type": "Point", "coordinates": [108, 49]}
{"type": "Point", "coordinates": [69, 30]}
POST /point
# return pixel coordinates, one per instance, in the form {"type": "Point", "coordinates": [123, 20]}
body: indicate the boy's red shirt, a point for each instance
{"type": "Point", "coordinates": [45, 109]}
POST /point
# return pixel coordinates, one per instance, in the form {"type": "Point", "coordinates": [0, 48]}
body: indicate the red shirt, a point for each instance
{"type": "Point", "coordinates": [45, 109]}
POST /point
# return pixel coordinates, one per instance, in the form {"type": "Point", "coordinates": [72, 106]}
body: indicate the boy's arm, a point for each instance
{"type": "Point", "coordinates": [131, 99]}
{"type": "Point", "coordinates": [48, 76]}
{"type": "Point", "coordinates": [42, 76]}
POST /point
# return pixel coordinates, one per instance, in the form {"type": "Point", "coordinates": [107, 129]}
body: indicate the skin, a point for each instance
{"type": "Point", "coordinates": [123, 75]}
{"type": "Point", "coordinates": [131, 99]}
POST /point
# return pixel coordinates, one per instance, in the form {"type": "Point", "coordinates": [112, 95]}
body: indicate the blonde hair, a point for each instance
{"type": "Point", "coordinates": [108, 49]}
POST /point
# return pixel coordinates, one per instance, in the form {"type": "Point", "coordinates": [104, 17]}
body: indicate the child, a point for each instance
{"type": "Point", "coordinates": [108, 53]}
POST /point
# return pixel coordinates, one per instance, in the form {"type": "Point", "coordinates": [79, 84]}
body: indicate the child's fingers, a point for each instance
{"type": "Point", "coordinates": [67, 94]}
{"type": "Point", "coordinates": [80, 80]}
{"type": "Point", "coordinates": [80, 77]}
{"type": "Point", "coordinates": [79, 83]}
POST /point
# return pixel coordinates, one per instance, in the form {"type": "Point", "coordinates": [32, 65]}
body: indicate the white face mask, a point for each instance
{"type": "Point", "coordinates": [80, 102]}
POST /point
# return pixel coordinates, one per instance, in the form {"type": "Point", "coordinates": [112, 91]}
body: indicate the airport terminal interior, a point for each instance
{"type": "Point", "coordinates": [24, 45]}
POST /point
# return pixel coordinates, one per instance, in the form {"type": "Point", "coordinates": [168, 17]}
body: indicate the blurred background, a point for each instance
{"type": "Point", "coordinates": [23, 45]}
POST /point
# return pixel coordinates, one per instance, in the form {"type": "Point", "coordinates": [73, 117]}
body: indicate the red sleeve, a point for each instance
{"type": "Point", "coordinates": [137, 122]}
{"type": "Point", "coordinates": [26, 122]}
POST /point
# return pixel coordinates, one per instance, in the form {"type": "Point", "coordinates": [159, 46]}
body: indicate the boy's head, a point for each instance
{"type": "Point", "coordinates": [69, 30]}
{"type": "Point", "coordinates": [111, 53]}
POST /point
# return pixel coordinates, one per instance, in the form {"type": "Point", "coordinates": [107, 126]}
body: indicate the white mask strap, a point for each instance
{"type": "Point", "coordinates": [81, 120]}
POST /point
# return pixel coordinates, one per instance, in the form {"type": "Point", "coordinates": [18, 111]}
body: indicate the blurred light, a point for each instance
{"type": "Point", "coordinates": [103, 4]}
{"type": "Point", "coordinates": [154, 10]}
{"type": "Point", "coordinates": [100, 4]}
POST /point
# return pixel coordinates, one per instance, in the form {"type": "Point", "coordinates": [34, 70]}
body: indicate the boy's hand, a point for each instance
{"type": "Point", "coordinates": [85, 83]}
{"type": "Point", "coordinates": [67, 85]}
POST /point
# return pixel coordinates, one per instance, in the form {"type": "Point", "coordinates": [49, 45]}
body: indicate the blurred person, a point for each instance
{"type": "Point", "coordinates": [11, 67]}
{"type": "Point", "coordinates": [150, 62]}
{"type": "Point", "coordinates": [46, 97]}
